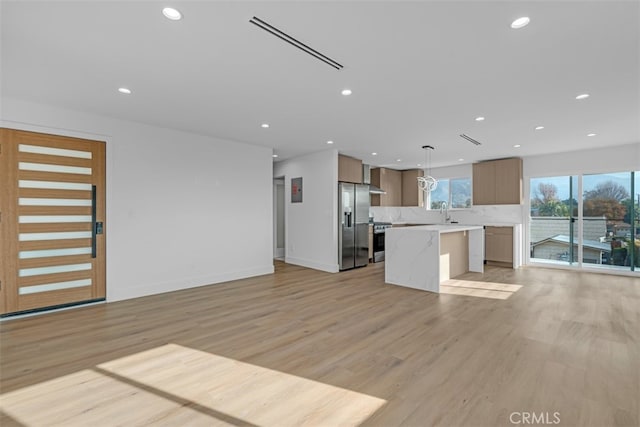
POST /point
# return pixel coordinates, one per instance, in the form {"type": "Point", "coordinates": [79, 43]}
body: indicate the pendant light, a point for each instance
{"type": "Point", "coordinates": [427, 183]}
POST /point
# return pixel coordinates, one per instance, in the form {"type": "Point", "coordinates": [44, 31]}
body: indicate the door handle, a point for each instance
{"type": "Point", "coordinates": [93, 221]}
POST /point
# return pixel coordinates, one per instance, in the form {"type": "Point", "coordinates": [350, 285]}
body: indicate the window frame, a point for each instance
{"type": "Point", "coordinates": [427, 201]}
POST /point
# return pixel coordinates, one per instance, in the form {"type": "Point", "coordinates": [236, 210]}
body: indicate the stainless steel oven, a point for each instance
{"type": "Point", "coordinates": [378, 240]}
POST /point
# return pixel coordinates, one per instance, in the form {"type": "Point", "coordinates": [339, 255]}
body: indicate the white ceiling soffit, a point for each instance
{"type": "Point", "coordinates": [420, 72]}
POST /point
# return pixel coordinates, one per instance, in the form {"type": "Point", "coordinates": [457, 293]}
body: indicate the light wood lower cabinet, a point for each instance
{"type": "Point", "coordinates": [456, 248]}
{"type": "Point", "coordinates": [498, 244]}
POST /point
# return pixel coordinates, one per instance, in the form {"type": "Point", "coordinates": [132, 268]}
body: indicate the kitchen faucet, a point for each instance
{"type": "Point", "coordinates": [444, 211]}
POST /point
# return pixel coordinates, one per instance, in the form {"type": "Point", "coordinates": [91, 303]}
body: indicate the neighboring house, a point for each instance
{"type": "Point", "coordinates": [557, 248]}
{"type": "Point", "coordinates": [544, 227]}
{"type": "Point", "coordinates": [549, 237]}
{"type": "Point", "coordinates": [620, 229]}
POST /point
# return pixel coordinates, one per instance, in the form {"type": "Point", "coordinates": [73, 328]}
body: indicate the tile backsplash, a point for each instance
{"type": "Point", "coordinates": [481, 215]}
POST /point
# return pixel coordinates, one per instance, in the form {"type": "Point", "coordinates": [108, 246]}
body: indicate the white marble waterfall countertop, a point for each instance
{"type": "Point", "coordinates": [413, 258]}
{"type": "Point", "coordinates": [440, 228]}
{"type": "Point", "coordinates": [488, 224]}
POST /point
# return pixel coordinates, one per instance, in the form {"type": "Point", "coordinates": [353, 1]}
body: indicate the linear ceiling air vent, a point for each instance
{"type": "Point", "coordinates": [471, 140]}
{"type": "Point", "coordinates": [292, 41]}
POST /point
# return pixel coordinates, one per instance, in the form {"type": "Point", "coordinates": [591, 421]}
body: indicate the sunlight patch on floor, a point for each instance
{"type": "Point", "coordinates": [479, 289]}
{"type": "Point", "coordinates": [177, 385]}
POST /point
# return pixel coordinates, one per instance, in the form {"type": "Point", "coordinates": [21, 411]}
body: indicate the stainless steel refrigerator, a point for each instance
{"type": "Point", "coordinates": [353, 231]}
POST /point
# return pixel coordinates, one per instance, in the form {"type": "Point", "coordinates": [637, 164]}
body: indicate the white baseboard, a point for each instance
{"type": "Point", "coordinates": [329, 268]}
{"type": "Point", "coordinates": [279, 253]}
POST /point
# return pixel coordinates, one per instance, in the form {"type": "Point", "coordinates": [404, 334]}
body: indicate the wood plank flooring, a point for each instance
{"type": "Point", "coordinates": [302, 347]}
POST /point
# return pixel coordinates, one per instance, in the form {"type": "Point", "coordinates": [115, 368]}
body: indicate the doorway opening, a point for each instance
{"type": "Point", "coordinates": [278, 219]}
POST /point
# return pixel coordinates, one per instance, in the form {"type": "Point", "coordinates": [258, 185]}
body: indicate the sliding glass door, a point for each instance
{"type": "Point", "coordinates": [613, 199]}
{"type": "Point", "coordinates": [553, 228]}
{"type": "Point", "coordinates": [590, 220]}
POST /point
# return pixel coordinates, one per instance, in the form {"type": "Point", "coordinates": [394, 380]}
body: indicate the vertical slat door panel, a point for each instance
{"type": "Point", "coordinates": [54, 244]}
{"type": "Point", "coordinates": [8, 221]}
{"type": "Point", "coordinates": [44, 279]}
{"type": "Point", "coordinates": [54, 210]}
{"type": "Point", "coordinates": [27, 175]}
{"type": "Point", "coordinates": [100, 179]}
{"type": "Point", "coordinates": [57, 160]}
{"type": "Point", "coordinates": [48, 227]}
{"type": "Point", "coordinates": [53, 261]}
{"type": "Point", "coordinates": [46, 220]}
{"type": "Point", "coordinates": [31, 193]}
{"type": "Point", "coordinates": [54, 298]}
{"type": "Point", "coordinates": [51, 151]}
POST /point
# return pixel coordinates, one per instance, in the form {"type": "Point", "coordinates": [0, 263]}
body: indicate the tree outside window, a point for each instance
{"type": "Point", "coordinates": [456, 192]}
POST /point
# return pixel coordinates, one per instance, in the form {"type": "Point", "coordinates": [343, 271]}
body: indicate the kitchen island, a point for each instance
{"type": "Point", "coordinates": [422, 257]}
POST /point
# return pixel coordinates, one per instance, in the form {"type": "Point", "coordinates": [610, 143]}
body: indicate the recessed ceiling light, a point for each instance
{"type": "Point", "coordinates": [418, 164]}
{"type": "Point", "coordinates": [346, 92]}
{"type": "Point", "coordinates": [398, 160]}
{"type": "Point", "coordinates": [582, 96]}
{"type": "Point", "coordinates": [520, 22]}
{"type": "Point", "coordinates": [274, 156]}
{"type": "Point", "coordinates": [124, 90]}
{"type": "Point", "coordinates": [516, 146]}
{"type": "Point", "coordinates": [265, 125]}
{"type": "Point", "coordinates": [591, 134]}
{"type": "Point", "coordinates": [171, 13]}
{"type": "Point", "coordinates": [329, 142]}
{"type": "Point", "coordinates": [539, 127]}
{"type": "Point", "coordinates": [479, 119]}
{"type": "Point", "coordinates": [374, 154]}
{"type": "Point", "coordinates": [461, 160]}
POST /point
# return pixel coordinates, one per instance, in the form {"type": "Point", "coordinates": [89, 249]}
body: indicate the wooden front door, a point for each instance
{"type": "Point", "coordinates": [52, 212]}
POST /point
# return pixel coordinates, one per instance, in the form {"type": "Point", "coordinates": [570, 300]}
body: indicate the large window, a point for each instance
{"type": "Point", "coordinates": [608, 220]}
{"type": "Point", "coordinates": [456, 192]}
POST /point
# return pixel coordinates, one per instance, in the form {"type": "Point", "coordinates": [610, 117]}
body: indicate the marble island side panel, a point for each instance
{"type": "Point", "coordinates": [413, 258]}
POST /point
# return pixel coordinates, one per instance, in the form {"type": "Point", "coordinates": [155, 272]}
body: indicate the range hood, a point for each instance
{"type": "Point", "coordinates": [366, 179]}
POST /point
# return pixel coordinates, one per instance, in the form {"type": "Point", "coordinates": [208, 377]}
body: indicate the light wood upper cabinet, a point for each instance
{"type": "Point", "coordinates": [349, 169]}
{"type": "Point", "coordinates": [411, 194]}
{"type": "Point", "coordinates": [390, 181]}
{"type": "Point", "coordinates": [401, 187]}
{"type": "Point", "coordinates": [509, 181]}
{"type": "Point", "coordinates": [498, 182]}
{"type": "Point", "coordinates": [484, 183]}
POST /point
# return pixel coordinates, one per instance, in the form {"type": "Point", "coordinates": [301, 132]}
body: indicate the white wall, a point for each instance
{"type": "Point", "coordinates": [621, 158]}
{"type": "Point", "coordinates": [311, 229]}
{"type": "Point", "coordinates": [183, 210]}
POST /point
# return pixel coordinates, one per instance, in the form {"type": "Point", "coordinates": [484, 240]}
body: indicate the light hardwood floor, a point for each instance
{"type": "Point", "coordinates": [303, 347]}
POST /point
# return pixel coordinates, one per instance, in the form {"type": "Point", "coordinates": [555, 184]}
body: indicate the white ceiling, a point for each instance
{"type": "Point", "coordinates": [420, 72]}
